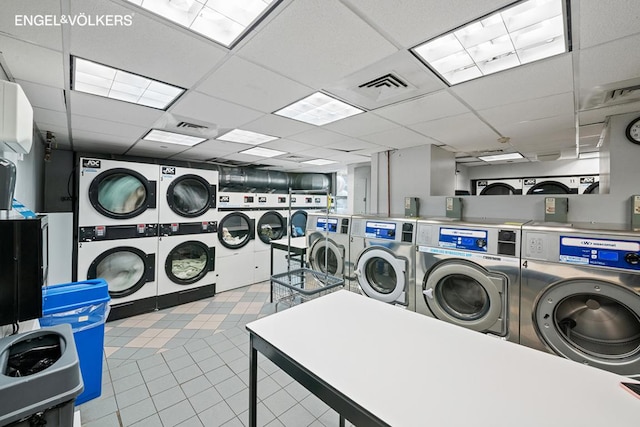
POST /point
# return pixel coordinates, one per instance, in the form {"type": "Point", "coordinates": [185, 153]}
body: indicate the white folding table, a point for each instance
{"type": "Point", "coordinates": [380, 365]}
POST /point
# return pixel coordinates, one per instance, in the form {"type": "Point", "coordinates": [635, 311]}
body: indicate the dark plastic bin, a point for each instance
{"type": "Point", "coordinates": [85, 306]}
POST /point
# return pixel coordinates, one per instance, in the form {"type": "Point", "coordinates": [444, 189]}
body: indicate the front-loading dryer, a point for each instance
{"type": "Point", "coordinates": [498, 187]}
{"type": "Point", "coordinates": [128, 265]}
{"type": "Point", "coordinates": [551, 185]}
{"type": "Point", "coordinates": [328, 236]}
{"type": "Point", "coordinates": [186, 262]}
{"type": "Point", "coordinates": [272, 218]}
{"type": "Point", "coordinates": [589, 184]}
{"type": "Point", "coordinates": [467, 274]}
{"type": "Point", "coordinates": [581, 294]}
{"type": "Point", "coordinates": [187, 195]}
{"type": "Point", "coordinates": [235, 251]}
{"type": "Point", "coordinates": [113, 192]}
{"type": "Point", "coordinates": [383, 253]}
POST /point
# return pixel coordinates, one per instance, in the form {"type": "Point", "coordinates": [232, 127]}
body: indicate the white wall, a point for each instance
{"type": "Point", "coordinates": [463, 182]}
{"type": "Point", "coordinates": [443, 172]}
{"type": "Point", "coordinates": [535, 169]}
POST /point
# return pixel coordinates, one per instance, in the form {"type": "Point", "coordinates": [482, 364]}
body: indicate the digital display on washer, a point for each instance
{"type": "Point", "coordinates": [321, 224]}
{"type": "Point", "coordinates": [600, 252]}
{"type": "Point", "coordinates": [380, 230]}
{"type": "Point", "coordinates": [463, 238]}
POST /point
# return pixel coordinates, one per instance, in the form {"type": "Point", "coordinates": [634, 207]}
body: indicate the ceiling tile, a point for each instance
{"type": "Point", "coordinates": [32, 63]}
{"type": "Point", "coordinates": [84, 104]}
{"type": "Point", "coordinates": [316, 43]}
{"type": "Point", "coordinates": [49, 117]}
{"type": "Point", "coordinates": [151, 46]}
{"type": "Point", "coordinates": [271, 124]}
{"type": "Point", "coordinates": [600, 114]}
{"type": "Point", "coordinates": [534, 109]}
{"type": "Point", "coordinates": [60, 132]}
{"type": "Point", "coordinates": [287, 145]}
{"type": "Point", "coordinates": [155, 149]}
{"type": "Point", "coordinates": [428, 107]}
{"type": "Point", "coordinates": [348, 158]}
{"type": "Point", "coordinates": [603, 21]}
{"type": "Point", "coordinates": [90, 124]}
{"type": "Point", "coordinates": [413, 21]}
{"type": "Point", "coordinates": [535, 80]}
{"type": "Point", "coordinates": [210, 149]}
{"type": "Point", "coordinates": [41, 96]}
{"type": "Point", "coordinates": [399, 138]}
{"type": "Point", "coordinates": [17, 18]}
{"type": "Point", "coordinates": [99, 142]}
{"type": "Point", "coordinates": [360, 124]}
{"type": "Point", "coordinates": [317, 152]}
{"type": "Point", "coordinates": [318, 137]}
{"type": "Point", "coordinates": [350, 145]}
{"type": "Point", "coordinates": [212, 110]}
{"type": "Point", "coordinates": [247, 84]}
{"type": "Point", "coordinates": [458, 131]}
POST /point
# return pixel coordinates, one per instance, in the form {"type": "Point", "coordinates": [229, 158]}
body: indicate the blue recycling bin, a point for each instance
{"type": "Point", "coordinates": [85, 306]}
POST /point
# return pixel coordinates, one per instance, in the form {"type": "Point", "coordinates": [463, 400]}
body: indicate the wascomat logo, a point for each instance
{"type": "Point", "coordinates": [91, 163]}
{"type": "Point", "coordinates": [168, 170]}
{"type": "Point", "coordinates": [224, 199]}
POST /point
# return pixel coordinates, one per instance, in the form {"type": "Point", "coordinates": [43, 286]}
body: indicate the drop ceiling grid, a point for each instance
{"type": "Point", "coordinates": [455, 131]}
{"type": "Point", "coordinates": [32, 63]}
{"type": "Point", "coordinates": [212, 110]}
{"type": "Point", "coordinates": [209, 149]}
{"type": "Point", "coordinates": [316, 43]}
{"type": "Point", "coordinates": [287, 145]}
{"type": "Point", "coordinates": [90, 141]}
{"type": "Point", "coordinates": [251, 85]}
{"type": "Point", "coordinates": [105, 127]}
{"type": "Point", "coordinates": [50, 98]}
{"type": "Point", "coordinates": [428, 107]}
{"type": "Point", "coordinates": [318, 137]}
{"type": "Point", "coordinates": [539, 128]}
{"type": "Point", "coordinates": [530, 110]}
{"type": "Point", "coordinates": [604, 21]}
{"type": "Point", "coordinates": [270, 124]}
{"type": "Point", "coordinates": [535, 80]}
{"type": "Point", "coordinates": [45, 36]}
{"type": "Point", "coordinates": [148, 47]}
{"type": "Point", "coordinates": [360, 124]}
{"type": "Point", "coordinates": [99, 107]}
{"type": "Point", "coordinates": [399, 137]}
{"type": "Point", "coordinates": [146, 148]}
{"type": "Point", "coordinates": [45, 118]}
{"type": "Point", "coordinates": [350, 145]}
{"type": "Point", "coordinates": [601, 114]}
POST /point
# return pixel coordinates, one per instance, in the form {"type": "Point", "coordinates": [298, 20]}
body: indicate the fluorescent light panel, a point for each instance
{"type": "Point", "coordinates": [319, 109]}
{"type": "Point", "coordinates": [101, 80]}
{"type": "Point", "coordinates": [526, 32]}
{"type": "Point", "coordinates": [172, 138]}
{"type": "Point", "coordinates": [223, 21]}
{"type": "Point", "coordinates": [499, 157]}
{"type": "Point", "coordinates": [246, 137]}
{"type": "Point", "coordinates": [319, 162]}
{"type": "Point", "coordinates": [262, 152]}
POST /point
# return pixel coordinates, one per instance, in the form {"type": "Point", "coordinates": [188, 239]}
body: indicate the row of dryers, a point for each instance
{"type": "Point", "coordinates": [568, 289]}
{"type": "Point", "coordinates": [162, 235]}
{"type": "Point", "coordinates": [587, 184]}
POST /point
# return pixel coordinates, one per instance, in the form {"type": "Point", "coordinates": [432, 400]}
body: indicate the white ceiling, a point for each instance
{"type": "Point", "coordinates": [334, 46]}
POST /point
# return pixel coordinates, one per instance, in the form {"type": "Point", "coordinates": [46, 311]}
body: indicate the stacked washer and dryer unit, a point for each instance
{"type": "Point", "coordinates": [118, 231]}
{"type": "Point", "coordinates": [188, 234]}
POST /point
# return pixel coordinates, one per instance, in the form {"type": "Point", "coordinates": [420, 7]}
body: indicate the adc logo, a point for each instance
{"type": "Point", "coordinates": [168, 170]}
{"type": "Point", "coordinates": [482, 183]}
{"type": "Point", "coordinates": [224, 199]}
{"type": "Point", "coordinates": [262, 199]}
{"type": "Point", "coordinates": [91, 163]}
{"type": "Point", "coordinates": [530, 182]}
{"type": "Point", "coordinates": [587, 180]}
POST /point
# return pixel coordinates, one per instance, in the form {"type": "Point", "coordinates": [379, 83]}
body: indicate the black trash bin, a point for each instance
{"type": "Point", "coordinates": [39, 378]}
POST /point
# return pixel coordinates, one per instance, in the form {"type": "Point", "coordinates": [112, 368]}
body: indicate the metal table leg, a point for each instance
{"type": "Point", "coordinates": [253, 383]}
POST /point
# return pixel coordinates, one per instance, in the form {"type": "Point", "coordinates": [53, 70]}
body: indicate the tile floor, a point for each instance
{"type": "Point", "coordinates": [188, 366]}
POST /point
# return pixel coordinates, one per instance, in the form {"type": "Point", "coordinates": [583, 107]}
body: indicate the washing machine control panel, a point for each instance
{"type": "Point", "coordinates": [600, 252]}
{"type": "Point", "coordinates": [380, 230]}
{"type": "Point", "coordinates": [463, 238]}
{"type": "Point", "coordinates": [321, 224]}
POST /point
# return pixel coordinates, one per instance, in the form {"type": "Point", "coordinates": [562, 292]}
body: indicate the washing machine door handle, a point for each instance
{"type": "Point", "coordinates": [357, 272]}
{"type": "Point", "coordinates": [428, 293]}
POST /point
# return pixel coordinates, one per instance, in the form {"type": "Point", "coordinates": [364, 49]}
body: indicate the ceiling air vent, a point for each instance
{"type": "Point", "coordinates": [388, 80]}
{"type": "Point", "coordinates": [188, 125]}
{"type": "Point", "coordinates": [616, 96]}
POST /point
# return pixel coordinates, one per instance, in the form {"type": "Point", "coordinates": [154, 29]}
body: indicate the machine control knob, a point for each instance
{"type": "Point", "coordinates": [481, 243]}
{"type": "Point", "coordinates": [632, 258]}
{"type": "Point", "coordinates": [428, 293]}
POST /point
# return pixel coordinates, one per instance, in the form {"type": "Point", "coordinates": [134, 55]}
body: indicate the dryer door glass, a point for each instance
{"type": "Point", "coordinates": [298, 223]}
{"type": "Point", "coordinates": [498, 189]}
{"type": "Point", "coordinates": [381, 275]}
{"type": "Point", "coordinates": [119, 193]}
{"type": "Point", "coordinates": [122, 268]}
{"type": "Point", "coordinates": [326, 260]}
{"type": "Point", "coordinates": [234, 230]}
{"type": "Point", "coordinates": [462, 297]}
{"type": "Point", "coordinates": [549, 187]}
{"type": "Point", "coordinates": [271, 226]}
{"type": "Point", "coordinates": [188, 262]}
{"type": "Point", "coordinates": [189, 196]}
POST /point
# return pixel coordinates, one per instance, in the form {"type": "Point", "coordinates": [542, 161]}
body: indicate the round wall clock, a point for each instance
{"type": "Point", "coordinates": [633, 131]}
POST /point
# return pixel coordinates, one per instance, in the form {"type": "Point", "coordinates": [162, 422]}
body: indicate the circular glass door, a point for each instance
{"type": "Point", "coordinates": [188, 262]}
{"type": "Point", "coordinates": [327, 256]}
{"type": "Point", "coordinates": [298, 223]}
{"type": "Point", "coordinates": [120, 193]}
{"type": "Point", "coordinates": [271, 226]}
{"type": "Point", "coordinates": [498, 189]}
{"type": "Point", "coordinates": [465, 294]}
{"type": "Point", "coordinates": [549, 187]}
{"type": "Point", "coordinates": [593, 189]}
{"type": "Point", "coordinates": [381, 275]}
{"type": "Point", "coordinates": [190, 196]}
{"type": "Point", "coordinates": [235, 230]}
{"type": "Point", "coordinates": [592, 321]}
{"type": "Point", "coordinates": [123, 268]}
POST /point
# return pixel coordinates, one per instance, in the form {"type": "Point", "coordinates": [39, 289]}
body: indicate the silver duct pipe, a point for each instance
{"type": "Point", "coordinates": [267, 181]}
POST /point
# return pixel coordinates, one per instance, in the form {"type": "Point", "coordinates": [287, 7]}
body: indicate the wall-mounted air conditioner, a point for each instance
{"type": "Point", "coordinates": [16, 119]}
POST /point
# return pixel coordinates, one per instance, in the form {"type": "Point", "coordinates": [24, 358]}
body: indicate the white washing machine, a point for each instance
{"type": "Point", "coordinates": [550, 185]}
{"type": "Point", "coordinates": [328, 237]}
{"type": "Point", "coordinates": [589, 184]}
{"type": "Point", "coordinates": [581, 294]}
{"type": "Point", "coordinates": [235, 252]}
{"type": "Point", "coordinates": [115, 192]}
{"type": "Point", "coordinates": [383, 254]}
{"type": "Point", "coordinates": [186, 262]}
{"type": "Point", "coordinates": [187, 194]}
{"type": "Point", "coordinates": [129, 268]}
{"type": "Point", "coordinates": [498, 187]}
{"type": "Point", "coordinates": [468, 274]}
{"type": "Point", "coordinates": [272, 217]}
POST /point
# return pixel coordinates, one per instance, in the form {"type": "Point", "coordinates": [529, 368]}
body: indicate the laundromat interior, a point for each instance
{"type": "Point", "coordinates": [319, 212]}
